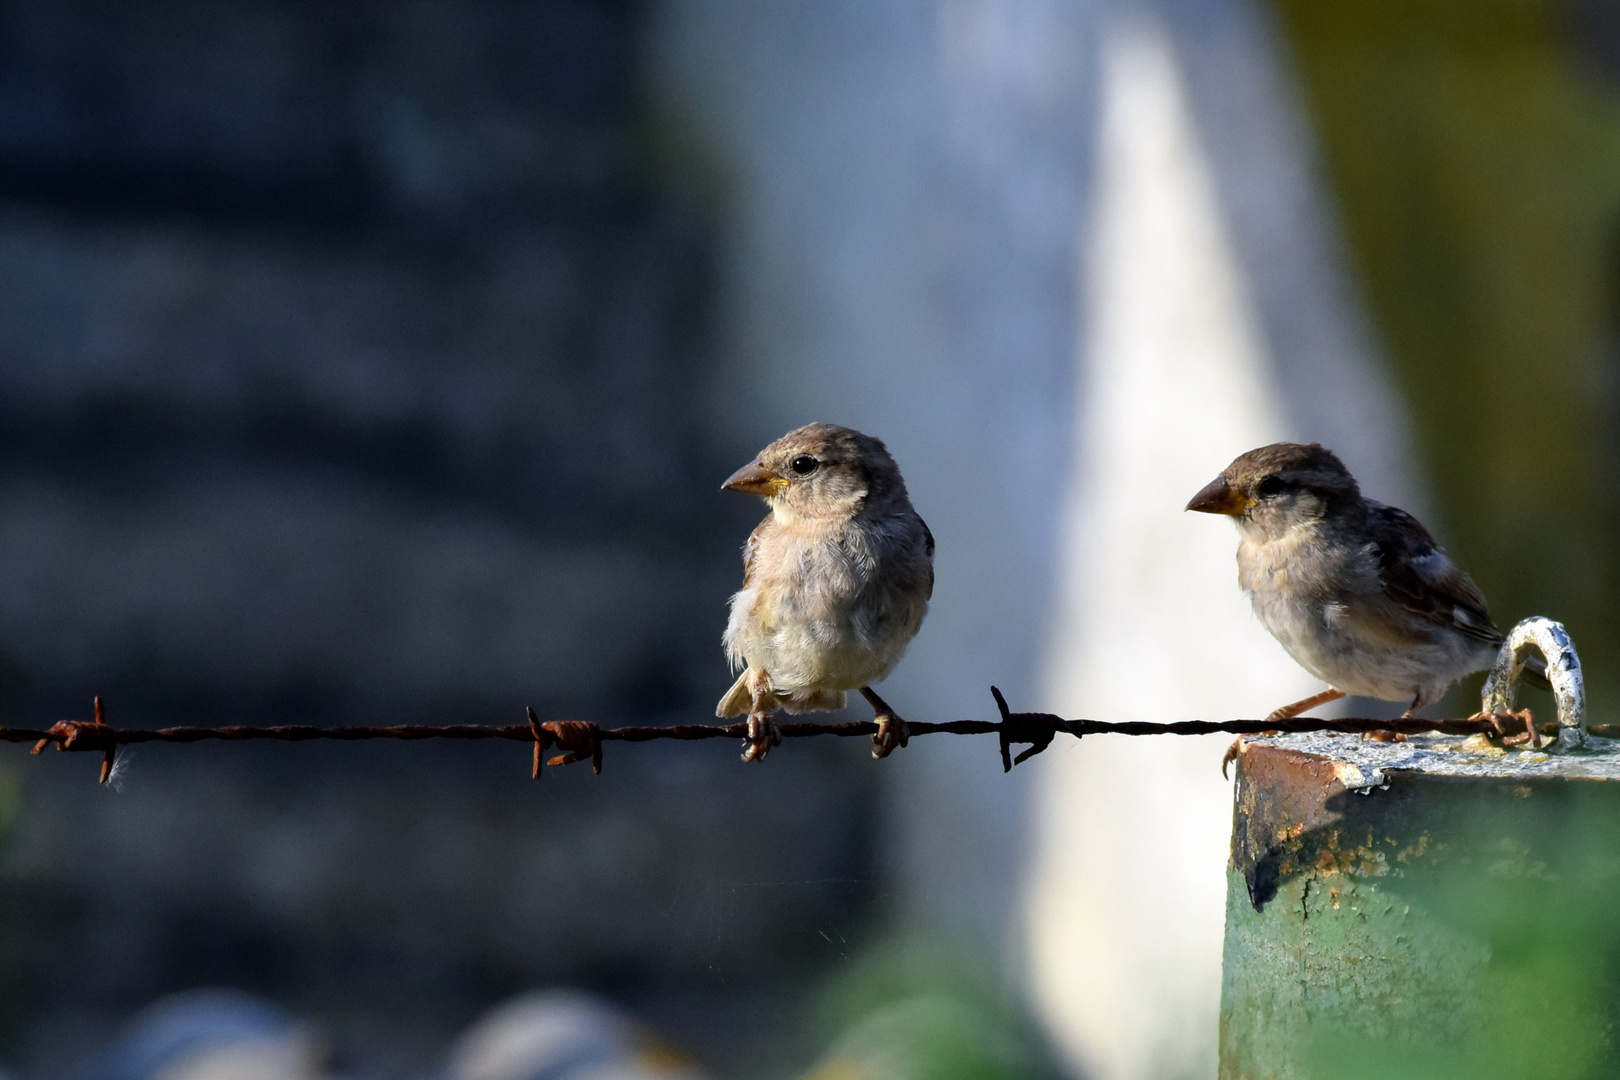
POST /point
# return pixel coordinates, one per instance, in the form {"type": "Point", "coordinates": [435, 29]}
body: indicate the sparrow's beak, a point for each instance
{"type": "Point", "coordinates": [754, 479]}
{"type": "Point", "coordinates": [1217, 497]}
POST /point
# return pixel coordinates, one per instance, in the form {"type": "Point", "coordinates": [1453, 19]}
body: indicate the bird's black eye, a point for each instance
{"type": "Point", "coordinates": [804, 464]}
{"type": "Point", "coordinates": [1271, 485]}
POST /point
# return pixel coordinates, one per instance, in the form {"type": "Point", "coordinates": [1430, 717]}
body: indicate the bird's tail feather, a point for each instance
{"type": "Point", "coordinates": [738, 700]}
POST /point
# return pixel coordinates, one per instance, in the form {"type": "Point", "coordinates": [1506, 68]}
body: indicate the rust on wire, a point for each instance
{"type": "Point", "coordinates": [581, 740]}
{"type": "Point", "coordinates": [542, 739]}
{"type": "Point", "coordinates": [578, 739]}
{"type": "Point", "coordinates": [79, 735]}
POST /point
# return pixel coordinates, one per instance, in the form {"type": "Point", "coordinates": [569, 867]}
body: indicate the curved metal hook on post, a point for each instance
{"type": "Point", "coordinates": [1563, 671]}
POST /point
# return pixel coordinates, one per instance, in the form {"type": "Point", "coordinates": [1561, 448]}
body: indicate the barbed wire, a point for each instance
{"type": "Point", "coordinates": [582, 740]}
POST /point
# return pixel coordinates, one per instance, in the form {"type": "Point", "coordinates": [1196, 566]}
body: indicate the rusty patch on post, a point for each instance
{"type": "Point", "coordinates": [1282, 797]}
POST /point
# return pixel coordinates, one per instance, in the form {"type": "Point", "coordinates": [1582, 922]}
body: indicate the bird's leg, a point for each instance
{"type": "Point", "coordinates": [1287, 712]}
{"type": "Point", "coordinates": [892, 730]}
{"type": "Point", "coordinates": [1396, 736]}
{"type": "Point", "coordinates": [762, 731]}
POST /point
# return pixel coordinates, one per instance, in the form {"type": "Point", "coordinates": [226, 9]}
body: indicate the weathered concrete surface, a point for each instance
{"type": "Point", "coordinates": [1419, 909]}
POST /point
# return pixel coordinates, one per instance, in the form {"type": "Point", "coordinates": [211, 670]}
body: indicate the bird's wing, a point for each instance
{"type": "Point", "coordinates": [1418, 577]}
{"type": "Point", "coordinates": [929, 541]}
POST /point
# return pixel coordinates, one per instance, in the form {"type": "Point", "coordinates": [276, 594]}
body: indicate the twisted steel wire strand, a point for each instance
{"type": "Point", "coordinates": [580, 740]}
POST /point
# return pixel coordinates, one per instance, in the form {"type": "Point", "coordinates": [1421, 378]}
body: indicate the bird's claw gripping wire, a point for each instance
{"type": "Point", "coordinates": [1521, 732]}
{"type": "Point", "coordinates": [1231, 755]}
{"type": "Point", "coordinates": [892, 730]}
{"type": "Point", "coordinates": [763, 734]}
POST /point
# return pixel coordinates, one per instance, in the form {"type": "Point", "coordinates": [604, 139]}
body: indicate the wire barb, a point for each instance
{"type": "Point", "coordinates": [542, 740]}
{"type": "Point", "coordinates": [578, 739]}
{"type": "Point", "coordinates": [112, 747]}
{"type": "Point", "coordinates": [1037, 729]}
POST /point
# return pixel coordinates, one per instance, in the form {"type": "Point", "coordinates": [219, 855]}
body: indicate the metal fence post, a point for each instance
{"type": "Point", "coordinates": [1439, 907]}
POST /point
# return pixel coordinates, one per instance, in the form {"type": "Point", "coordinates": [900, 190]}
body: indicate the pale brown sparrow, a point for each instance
{"type": "Point", "coordinates": [835, 582]}
{"type": "Point", "coordinates": [1358, 593]}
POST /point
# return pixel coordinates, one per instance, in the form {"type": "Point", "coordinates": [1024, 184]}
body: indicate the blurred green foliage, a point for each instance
{"type": "Point", "coordinates": [916, 1010]}
{"type": "Point", "coordinates": [1476, 156]}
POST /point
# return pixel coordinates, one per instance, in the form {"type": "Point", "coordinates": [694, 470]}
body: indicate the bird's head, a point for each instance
{"type": "Point", "coordinates": [821, 471]}
{"type": "Point", "coordinates": [1270, 490]}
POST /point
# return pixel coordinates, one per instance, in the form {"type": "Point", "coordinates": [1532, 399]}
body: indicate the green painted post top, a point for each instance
{"type": "Point", "coordinates": [1434, 908]}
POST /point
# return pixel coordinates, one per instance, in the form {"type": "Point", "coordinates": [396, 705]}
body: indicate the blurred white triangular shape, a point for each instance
{"type": "Point", "coordinates": [1127, 885]}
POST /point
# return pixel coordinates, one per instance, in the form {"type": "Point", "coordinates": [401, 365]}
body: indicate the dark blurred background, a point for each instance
{"type": "Point", "coordinates": [379, 362]}
{"type": "Point", "coordinates": [355, 367]}
{"type": "Point", "coordinates": [358, 351]}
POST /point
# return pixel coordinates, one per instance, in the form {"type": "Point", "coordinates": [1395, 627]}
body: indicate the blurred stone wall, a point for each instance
{"type": "Point", "coordinates": [355, 364]}
{"type": "Point", "coordinates": [346, 351]}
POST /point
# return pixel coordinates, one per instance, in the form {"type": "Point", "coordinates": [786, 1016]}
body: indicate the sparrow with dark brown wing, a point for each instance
{"type": "Point", "coordinates": [835, 582]}
{"type": "Point", "coordinates": [1357, 592]}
